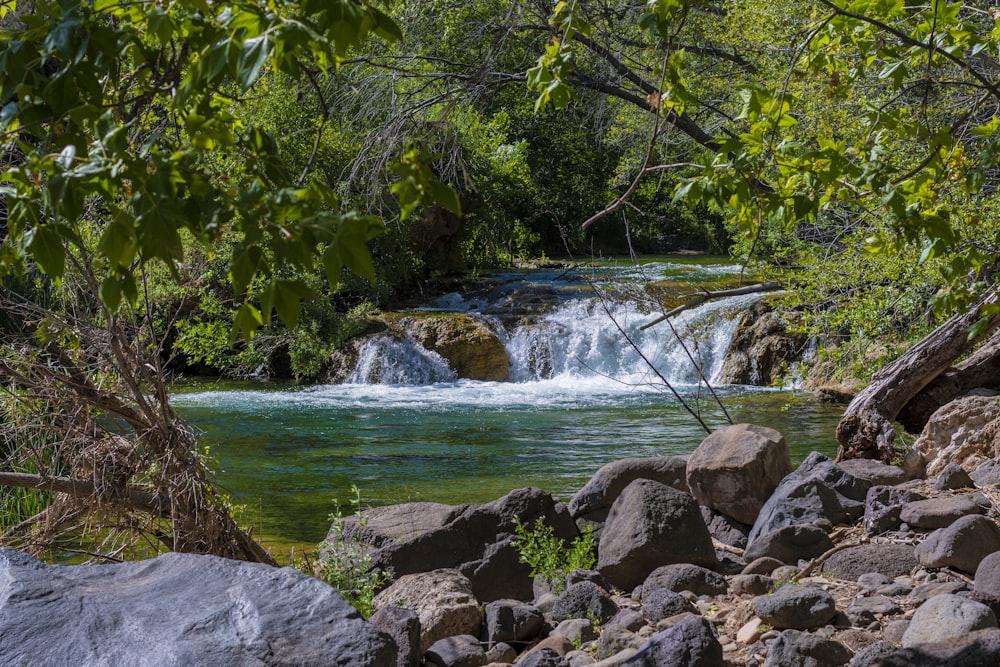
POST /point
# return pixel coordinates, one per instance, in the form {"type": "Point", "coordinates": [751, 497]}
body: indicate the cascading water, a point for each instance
{"type": "Point", "coordinates": [404, 428]}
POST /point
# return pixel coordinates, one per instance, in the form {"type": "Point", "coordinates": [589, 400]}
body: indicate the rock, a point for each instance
{"type": "Point", "coordinates": [946, 617]}
{"type": "Point", "coordinates": [793, 647]}
{"type": "Point", "coordinates": [789, 544]}
{"type": "Point", "coordinates": [883, 506]}
{"type": "Point", "coordinates": [987, 578]}
{"type": "Point", "coordinates": [474, 539]}
{"type": "Point", "coordinates": [762, 565]}
{"type": "Point", "coordinates": [953, 477]}
{"type": "Point", "coordinates": [956, 433]}
{"type": "Point", "coordinates": [543, 658]}
{"type": "Point", "coordinates": [761, 349]}
{"type": "Point", "coordinates": [403, 625]}
{"type": "Point", "coordinates": [651, 524]}
{"type": "Point", "coordinates": [737, 468]}
{"type": "Point", "coordinates": [976, 649]}
{"type": "Point", "coordinates": [587, 575]}
{"type": "Point", "coordinates": [689, 643]}
{"type": "Point", "coordinates": [470, 346]}
{"type": "Point", "coordinates": [962, 545]}
{"type": "Point", "coordinates": [935, 588]}
{"type": "Point", "coordinates": [750, 584]}
{"type": "Point", "coordinates": [443, 600]}
{"type": "Point", "coordinates": [630, 619]}
{"type": "Point", "coordinates": [938, 512]}
{"type": "Point", "coordinates": [614, 639]}
{"type": "Point", "coordinates": [584, 599]}
{"type": "Point", "coordinates": [796, 608]}
{"type": "Point", "coordinates": [725, 529]}
{"type": "Point", "coordinates": [818, 492]}
{"type": "Point", "coordinates": [457, 651]}
{"type": "Point", "coordinates": [891, 560]}
{"type": "Point", "coordinates": [864, 610]}
{"type": "Point", "coordinates": [512, 621]}
{"type": "Point", "coordinates": [987, 474]}
{"type": "Point", "coordinates": [178, 609]}
{"type": "Point", "coordinates": [874, 472]}
{"type": "Point", "coordinates": [558, 644]}
{"type": "Point", "coordinates": [577, 630]}
{"type": "Point", "coordinates": [595, 499]}
{"type": "Point", "coordinates": [663, 603]}
{"type": "Point", "coordinates": [870, 654]}
{"type": "Point", "coordinates": [871, 581]}
{"type": "Point", "coordinates": [504, 653]}
{"type": "Point", "coordinates": [685, 577]}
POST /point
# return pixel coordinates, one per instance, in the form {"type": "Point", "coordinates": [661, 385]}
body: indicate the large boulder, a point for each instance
{"type": "Point", "coordinates": [946, 617]}
{"type": "Point", "coordinates": [592, 502]}
{"type": "Point", "coordinates": [471, 347]}
{"type": "Point", "coordinates": [974, 649]}
{"type": "Point", "coordinates": [737, 468]}
{"type": "Point", "coordinates": [958, 432]}
{"type": "Point", "coordinates": [443, 601]}
{"type": "Point", "coordinates": [650, 525]}
{"type": "Point", "coordinates": [761, 349]}
{"type": "Point", "coordinates": [178, 609]}
{"type": "Point", "coordinates": [962, 545]}
{"type": "Point", "coordinates": [475, 539]}
{"type": "Point", "coordinates": [689, 643]}
{"type": "Point", "coordinates": [818, 493]}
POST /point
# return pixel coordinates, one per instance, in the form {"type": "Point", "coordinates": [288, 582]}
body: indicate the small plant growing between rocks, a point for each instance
{"type": "Point", "coordinates": [346, 564]}
{"type": "Point", "coordinates": [549, 557]}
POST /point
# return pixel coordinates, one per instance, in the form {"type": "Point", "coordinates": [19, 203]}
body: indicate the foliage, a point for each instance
{"type": "Point", "coordinates": [549, 557]}
{"type": "Point", "coordinates": [346, 564]}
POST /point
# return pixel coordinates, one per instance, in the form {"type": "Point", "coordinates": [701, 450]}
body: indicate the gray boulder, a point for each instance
{"type": "Point", "coordinates": [650, 525]}
{"type": "Point", "coordinates": [883, 506]}
{"type": "Point", "coordinates": [946, 617]}
{"type": "Point", "coordinates": [584, 599]}
{"type": "Point", "coordinates": [594, 500]}
{"type": "Point", "coordinates": [987, 579]}
{"type": "Point", "coordinates": [987, 474]}
{"type": "Point", "coordinates": [443, 601]}
{"type": "Point", "coordinates": [178, 609]}
{"type": "Point", "coordinates": [794, 648]}
{"type": "Point", "coordinates": [544, 657]}
{"type": "Point", "coordinates": [614, 639]}
{"type": "Point", "coordinates": [737, 468]}
{"type": "Point", "coordinates": [817, 493]}
{"type": "Point", "coordinates": [891, 560]}
{"type": "Point", "coordinates": [474, 539]}
{"type": "Point", "coordinates": [512, 621]}
{"type": "Point", "coordinates": [953, 477]}
{"type": "Point", "coordinates": [938, 512]}
{"type": "Point", "coordinates": [796, 608]}
{"type": "Point", "coordinates": [962, 545]}
{"type": "Point", "coordinates": [663, 603]}
{"type": "Point", "coordinates": [975, 649]}
{"type": "Point", "coordinates": [872, 653]}
{"type": "Point", "coordinates": [457, 651]}
{"type": "Point", "coordinates": [789, 544]}
{"type": "Point", "coordinates": [725, 529]}
{"type": "Point", "coordinates": [685, 577]}
{"type": "Point", "coordinates": [403, 625]}
{"type": "Point", "coordinates": [874, 472]}
{"type": "Point", "coordinates": [689, 643]}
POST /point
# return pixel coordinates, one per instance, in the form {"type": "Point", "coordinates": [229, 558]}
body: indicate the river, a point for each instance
{"type": "Point", "coordinates": [580, 397]}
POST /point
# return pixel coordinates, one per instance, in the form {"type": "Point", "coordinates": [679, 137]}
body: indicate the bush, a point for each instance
{"type": "Point", "coordinates": [548, 555]}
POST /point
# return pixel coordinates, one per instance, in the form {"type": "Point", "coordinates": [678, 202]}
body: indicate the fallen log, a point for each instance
{"type": "Point", "coordinates": [866, 430]}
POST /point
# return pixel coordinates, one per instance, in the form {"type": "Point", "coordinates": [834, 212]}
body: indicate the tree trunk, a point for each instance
{"type": "Point", "coordinates": [866, 430]}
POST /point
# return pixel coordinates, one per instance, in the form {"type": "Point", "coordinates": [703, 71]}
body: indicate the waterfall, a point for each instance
{"type": "Point", "coordinates": [386, 359]}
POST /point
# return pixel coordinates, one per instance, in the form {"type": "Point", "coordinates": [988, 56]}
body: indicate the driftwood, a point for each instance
{"type": "Point", "coordinates": [707, 295]}
{"type": "Point", "coordinates": [866, 430]}
{"type": "Point", "coordinates": [135, 498]}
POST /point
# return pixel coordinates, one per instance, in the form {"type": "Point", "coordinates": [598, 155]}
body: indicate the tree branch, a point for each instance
{"type": "Point", "coordinates": [699, 299]}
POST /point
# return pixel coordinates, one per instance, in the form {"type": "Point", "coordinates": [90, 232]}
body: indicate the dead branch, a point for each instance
{"type": "Point", "coordinates": [137, 499]}
{"type": "Point", "coordinates": [707, 295]}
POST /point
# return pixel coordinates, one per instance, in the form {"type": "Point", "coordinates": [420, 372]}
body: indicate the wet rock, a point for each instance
{"type": "Point", "coordinates": [737, 468]}
{"type": "Point", "coordinates": [403, 625]}
{"type": "Point", "coordinates": [874, 472]}
{"type": "Point", "coordinates": [512, 621]}
{"type": "Point", "coordinates": [817, 493]}
{"type": "Point", "coordinates": [883, 506]}
{"type": "Point", "coordinates": [443, 601]}
{"type": "Point", "coordinates": [651, 524]}
{"type": "Point", "coordinates": [594, 500]}
{"type": "Point", "coordinates": [793, 648]}
{"type": "Point", "coordinates": [178, 609]}
{"type": "Point", "coordinates": [761, 349]}
{"type": "Point", "coordinates": [945, 617]}
{"type": "Point", "coordinates": [938, 512]}
{"type": "Point", "coordinates": [685, 577]}
{"type": "Point", "coordinates": [962, 545]}
{"type": "Point", "coordinates": [457, 651]}
{"type": "Point", "coordinates": [891, 560]}
{"type": "Point", "coordinates": [584, 599]}
{"type": "Point", "coordinates": [953, 477]}
{"type": "Point", "coordinates": [976, 649]}
{"type": "Point", "coordinates": [725, 529]}
{"type": "Point", "coordinates": [957, 433]}
{"type": "Point", "coordinates": [691, 643]}
{"type": "Point", "coordinates": [475, 539]}
{"type": "Point", "coordinates": [789, 544]}
{"type": "Point", "coordinates": [796, 608]}
{"type": "Point", "coordinates": [470, 346]}
{"type": "Point", "coordinates": [662, 603]}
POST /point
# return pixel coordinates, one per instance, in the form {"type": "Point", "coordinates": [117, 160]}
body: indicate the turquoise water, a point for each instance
{"type": "Point", "coordinates": [288, 452]}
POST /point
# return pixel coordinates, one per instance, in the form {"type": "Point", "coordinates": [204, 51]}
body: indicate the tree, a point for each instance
{"type": "Point", "coordinates": [121, 148]}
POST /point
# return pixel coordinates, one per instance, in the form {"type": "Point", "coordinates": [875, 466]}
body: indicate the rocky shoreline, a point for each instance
{"type": "Point", "coordinates": [726, 557]}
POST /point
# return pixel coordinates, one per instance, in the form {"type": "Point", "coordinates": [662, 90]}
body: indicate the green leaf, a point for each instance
{"type": "Point", "coordinates": [46, 246]}
{"type": "Point", "coordinates": [110, 292]}
{"type": "Point", "coordinates": [980, 326]}
{"type": "Point", "coordinates": [253, 57]}
{"type": "Point", "coordinates": [245, 323]}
